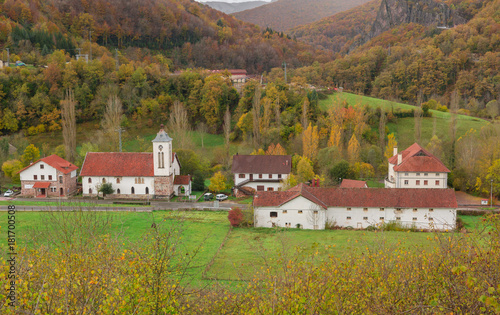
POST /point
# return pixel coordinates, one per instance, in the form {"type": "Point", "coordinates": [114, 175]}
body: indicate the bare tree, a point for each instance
{"type": "Point", "coordinates": [179, 124]}
{"type": "Point", "coordinates": [256, 117]}
{"type": "Point", "coordinates": [111, 123]}
{"type": "Point", "coordinates": [68, 120]}
{"type": "Point", "coordinates": [202, 129]}
{"type": "Point", "coordinates": [455, 99]}
{"type": "Point", "coordinates": [227, 130]}
{"type": "Point", "coordinates": [418, 124]}
{"type": "Point", "coordinates": [305, 109]}
{"type": "Point", "coordinates": [381, 130]}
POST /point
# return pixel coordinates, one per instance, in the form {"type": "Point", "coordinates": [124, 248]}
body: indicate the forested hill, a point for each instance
{"type": "Point", "coordinates": [283, 15]}
{"type": "Point", "coordinates": [229, 8]}
{"type": "Point", "coordinates": [192, 34]}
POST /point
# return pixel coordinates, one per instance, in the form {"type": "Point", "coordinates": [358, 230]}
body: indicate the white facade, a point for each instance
{"type": "Point", "coordinates": [122, 185]}
{"type": "Point", "coordinates": [308, 215]}
{"type": "Point", "coordinates": [41, 171]}
{"type": "Point", "coordinates": [260, 182]}
{"type": "Point", "coordinates": [421, 180]}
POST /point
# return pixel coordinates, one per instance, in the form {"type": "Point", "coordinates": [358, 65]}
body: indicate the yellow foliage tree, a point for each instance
{"type": "Point", "coordinates": [335, 137]}
{"type": "Point", "coordinates": [289, 182]}
{"type": "Point", "coordinates": [310, 142]}
{"type": "Point", "coordinates": [275, 150]}
{"type": "Point", "coordinates": [258, 152]}
{"type": "Point", "coordinates": [218, 182]}
{"type": "Point", "coordinates": [305, 170]}
{"type": "Point", "coordinates": [353, 149]}
{"type": "Point", "coordinates": [391, 144]}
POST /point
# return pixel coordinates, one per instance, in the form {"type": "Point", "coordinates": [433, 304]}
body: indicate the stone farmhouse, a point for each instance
{"type": "Point", "coordinates": [136, 175]}
{"type": "Point", "coordinates": [259, 172]}
{"type": "Point", "coordinates": [313, 208]}
{"type": "Point", "coordinates": [416, 167]}
{"type": "Point", "coordinates": [51, 176]}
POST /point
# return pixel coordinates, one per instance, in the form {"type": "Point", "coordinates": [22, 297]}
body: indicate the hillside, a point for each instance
{"type": "Point", "coordinates": [338, 32]}
{"type": "Point", "coordinates": [283, 15]}
{"type": "Point", "coordinates": [190, 33]}
{"type": "Point", "coordinates": [229, 8]}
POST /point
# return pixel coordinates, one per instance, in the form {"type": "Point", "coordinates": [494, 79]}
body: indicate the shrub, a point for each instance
{"type": "Point", "coordinates": [235, 216]}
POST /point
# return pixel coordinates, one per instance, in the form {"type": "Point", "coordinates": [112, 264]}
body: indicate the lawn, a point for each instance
{"type": "Point", "coordinates": [405, 128]}
{"type": "Point", "coordinates": [63, 204]}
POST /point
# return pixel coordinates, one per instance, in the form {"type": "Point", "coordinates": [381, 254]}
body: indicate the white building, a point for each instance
{"type": "Point", "coordinates": [416, 167]}
{"type": "Point", "coordinates": [132, 174]}
{"type": "Point", "coordinates": [313, 207]}
{"type": "Point", "coordinates": [259, 172]}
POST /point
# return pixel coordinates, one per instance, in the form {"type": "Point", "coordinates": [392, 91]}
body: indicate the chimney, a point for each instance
{"type": "Point", "coordinates": [395, 151]}
{"type": "Point", "coordinates": [400, 158]}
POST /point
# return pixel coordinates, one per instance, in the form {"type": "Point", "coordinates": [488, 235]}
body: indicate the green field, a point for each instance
{"type": "Point", "coordinates": [245, 250]}
{"type": "Point", "coordinates": [404, 129]}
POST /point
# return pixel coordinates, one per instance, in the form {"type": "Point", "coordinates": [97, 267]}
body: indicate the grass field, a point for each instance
{"type": "Point", "coordinates": [245, 250]}
{"type": "Point", "coordinates": [63, 204]}
{"type": "Point", "coordinates": [405, 128]}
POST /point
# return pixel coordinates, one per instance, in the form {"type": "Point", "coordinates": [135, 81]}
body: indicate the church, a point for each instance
{"type": "Point", "coordinates": [136, 174]}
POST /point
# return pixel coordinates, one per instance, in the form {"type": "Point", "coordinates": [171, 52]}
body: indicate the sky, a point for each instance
{"type": "Point", "coordinates": [230, 1]}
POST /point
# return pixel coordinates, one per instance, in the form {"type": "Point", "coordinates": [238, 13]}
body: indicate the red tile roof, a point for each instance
{"type": "Point", "coordinates": [262, 164]}
{"type": "Point", "coordinates": [359, 197]}
{"type": "Point", "coordinates": [351, 183]}
{"type": "Point", "coordinates": [118, 164]}
{"type": "Point", "coordinates": [41, 185]}
{"type": "Point", "coordinates": [56, 162]}
{"type": "Point", "coordinates": [182, 180]}
{"type": "Point", "coordinates": [417, 159]}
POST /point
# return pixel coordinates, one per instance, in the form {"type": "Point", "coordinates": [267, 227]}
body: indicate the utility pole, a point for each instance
{"type": "Point", "coordinates": [120, 130]}
{"type": "Point", "coordinates": [8, 57]}
{"type": "Point", "coordinates": [491, 193]}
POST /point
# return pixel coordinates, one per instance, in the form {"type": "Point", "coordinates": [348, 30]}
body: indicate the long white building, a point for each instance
{"type": "Point", "coordinates": [312, 207]}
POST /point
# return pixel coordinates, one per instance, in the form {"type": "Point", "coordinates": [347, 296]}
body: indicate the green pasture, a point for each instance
{"type": "Point", "coordinates": [55, 204]}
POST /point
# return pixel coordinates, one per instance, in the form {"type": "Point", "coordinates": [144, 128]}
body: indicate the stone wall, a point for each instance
{"type": "Point", "coordinates": [164, 186]}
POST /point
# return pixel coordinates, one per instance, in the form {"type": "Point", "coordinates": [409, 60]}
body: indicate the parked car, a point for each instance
{"type": "Point", "coordinates": [221, 197]}
{"type": "Point", "coordinates": [208, 196]}
{"type": "Point", "coordinates": [8, 193]}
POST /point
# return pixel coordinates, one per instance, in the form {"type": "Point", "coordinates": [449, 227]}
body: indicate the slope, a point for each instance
{"type": "Point", "coordinates": [229, 8]}
{"type": "Point", "coordinates": [283, 15]}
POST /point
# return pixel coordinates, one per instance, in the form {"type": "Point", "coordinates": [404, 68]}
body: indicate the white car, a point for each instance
{"type": "Point", "coordinates": [221, 197]}
{"type": "Point", "coordinates": [8, 193]}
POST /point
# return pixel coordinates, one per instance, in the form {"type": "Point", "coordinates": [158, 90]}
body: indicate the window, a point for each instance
{"type": "Point", "coordinates": [431, 210]}
{"type": "Point", "coordinates": [398, 210]}
{"type": "Point", "coordinates": [50, 177]}
{"type": "Point", "coordinates": [398, 218]}
{"type": "Point", "coordinates": [260, 188]}
{"type": "Point", "coordinates": [90, 180]}
{"type": "Point", "coordinates": [147, 190]}
{"type": "Point", "coordinates": [365, 218]}
{"type": "Point", "coordinates": [273, 214]}
{"type": "Point", "coordinates": [365, 209]}
{"type": "Point", "coordinates": [279, 176]}
{"type": "Point", "coordinates": [270, 175]}
{"type": "Point", "coordinates": [417, 183]}
{"type": "Point", "coordinates": [348, 209]}
{"type": "Point", "coordinates": [42, 177]}
{"type": "Point", "coordinates": [426, 182]}
{"type": "Point", "coordinates": [415, 209]}
{"type": "Point", "coordinates": [118, 180]}
{"type": "Point", "coordinates": [406, 182]}
{"type": "Point", "coordinates": [270, 189]}
{"type": "Point", "coordinates": [300, 211]}
{"type": "Point", "coordinates": [348, 218]}
{"type": "Point", "coordinates": [406, 174]}
{"type": "Point", "coordinates": [60, 179]}
{"type": "Point", "coordinates": [382, 209]}
{"type": "Point", "coordinates": [381, 218]}
{"type": "Point", "coordinates": [284, 211]}
{"type": "Point", "coordinates": [414, 219]}
{"type": "Point", "coordinates": [53, 189]}
{"type": "Point", "coordinates": [437, 183]}
{"type": "Point", "coordinates": [315, 211]}
{"type": "Point", "coordinates": [418, 174]}
{"type": "Point", "coordinates": [118, 191]}
{"type": "Point", "coordinates": [104, 180]}
{"type": "Point", "coordinates": [241, 176]}
{"type": "Point", "coordinates": [425, 174]}
{"type": "Point", "coordinates": [90, 190]}
{"type": "Point", "coordinates": [437, 174]}
{"type": "Point", "coordinates": [35, 177]}
{"type": "Point", "coordinates": [431, 219]}
{"type": "Point", "coordinates": [132, 190]}
{"type": "Point", "coordinates": [260, 175]}
{"type": "Point", "coordinates": [139, 180]}
{"type": "Point", "coordinates": [42, 166]}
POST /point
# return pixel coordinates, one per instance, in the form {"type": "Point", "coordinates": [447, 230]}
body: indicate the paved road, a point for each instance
{"type": "Point", "coordinates": [100, 205]}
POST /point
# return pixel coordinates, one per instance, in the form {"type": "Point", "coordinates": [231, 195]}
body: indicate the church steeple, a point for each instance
{"type": "Point", "coordinates": [162, 153]}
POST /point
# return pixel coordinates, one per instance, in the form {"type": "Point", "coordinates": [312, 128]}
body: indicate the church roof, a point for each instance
{"type": "Point", "coordinates": [162, 136]}
{"type": "Point", "coordinates": [118, 164]}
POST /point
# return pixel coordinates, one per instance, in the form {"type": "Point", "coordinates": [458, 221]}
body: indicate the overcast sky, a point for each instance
{"type": "Point", "coordinates": [229, 0]}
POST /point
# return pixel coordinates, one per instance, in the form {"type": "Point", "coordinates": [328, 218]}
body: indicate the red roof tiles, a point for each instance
{"type": "Point", "coordinates": [182, 180]}
{"type": "Point", "coordinates": [56, 162]}
{"type": "Point", "coordinates": [262, 164]}
{"type": "Point", "coordinates": [358, 197]}
{"type": "Point", "coordinates": [351, 183]}
{"type": "Point", "coordinates": [417, 159]}
{"type": "Point", "coordinates": [118, 164]}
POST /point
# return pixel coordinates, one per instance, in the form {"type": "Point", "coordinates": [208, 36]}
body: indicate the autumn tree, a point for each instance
{"type": "Point", "coordinates": [417, 113]}
{"type": "Point", "coordinates": [305, 112]}
{"type": "Point", "coordinates": [310, 142]}
{"type": "Point", "coordinates": [435, 146]}
{"type": "Point", "coordinates": [335, 139]}
{"type": "Point", "coordinates": [235, 216]}
{"type": "Point", "coordinates": [218, 182]}
{"type": "Point", "coordinates": [227, 130]}
{"type": "Point", "coordinates": [68, 121]}
{"type": "Point", "coordinates": [202, 130]}
{"type": "Point", "coordinates": [256, 117]}
{"type": "Point", "coordinates": [111, 124]}
{"type": "Point", "coordinates": [11, 170]}
{"type": "Point", "coordinates": [289, 182]}
{"type": "Point", "coordinates": [391, 144]}
{"type": "Point", "coordinates": [353, 149]}
{"type": "Point", "coordinates": [275, 150]}
{"type": "Point", "coordinates": [305, 171]}
{"type": "Point", "coordinates": [381, 129]}
{"type": "Point", "coordinates": [31, 155]}
{"type": "Point", "coordinates": [179, 124]}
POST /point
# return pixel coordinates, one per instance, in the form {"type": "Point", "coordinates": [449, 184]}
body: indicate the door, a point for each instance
{"type": "Point", "coordinates": [61, 191]}
{"type": "Point", "coordinates": [251, 176]}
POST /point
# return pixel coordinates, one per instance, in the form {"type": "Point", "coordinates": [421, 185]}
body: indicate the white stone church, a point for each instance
{"type": "Point", "coordinates": [136, 174]}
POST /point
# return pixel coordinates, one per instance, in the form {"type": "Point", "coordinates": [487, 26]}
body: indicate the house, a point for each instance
{"type": "Point", "coordinates": [259, 172]}
{"type": "Point", "coordinates": [416, 167]}
{"type": "Point", "coordinates": [51, 176]}
{"type": "Point", "coordinates": [351, 183]}
{"type": "Point", "coordinates": [135, 174]}
{"type": "Point", "coordinates": [314, 208]}
{"type": "Point", "coordinates": [182, 185]}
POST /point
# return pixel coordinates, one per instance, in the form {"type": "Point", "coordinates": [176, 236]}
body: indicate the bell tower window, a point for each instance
{"type": "Point", "coordinates": [161, 157]}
